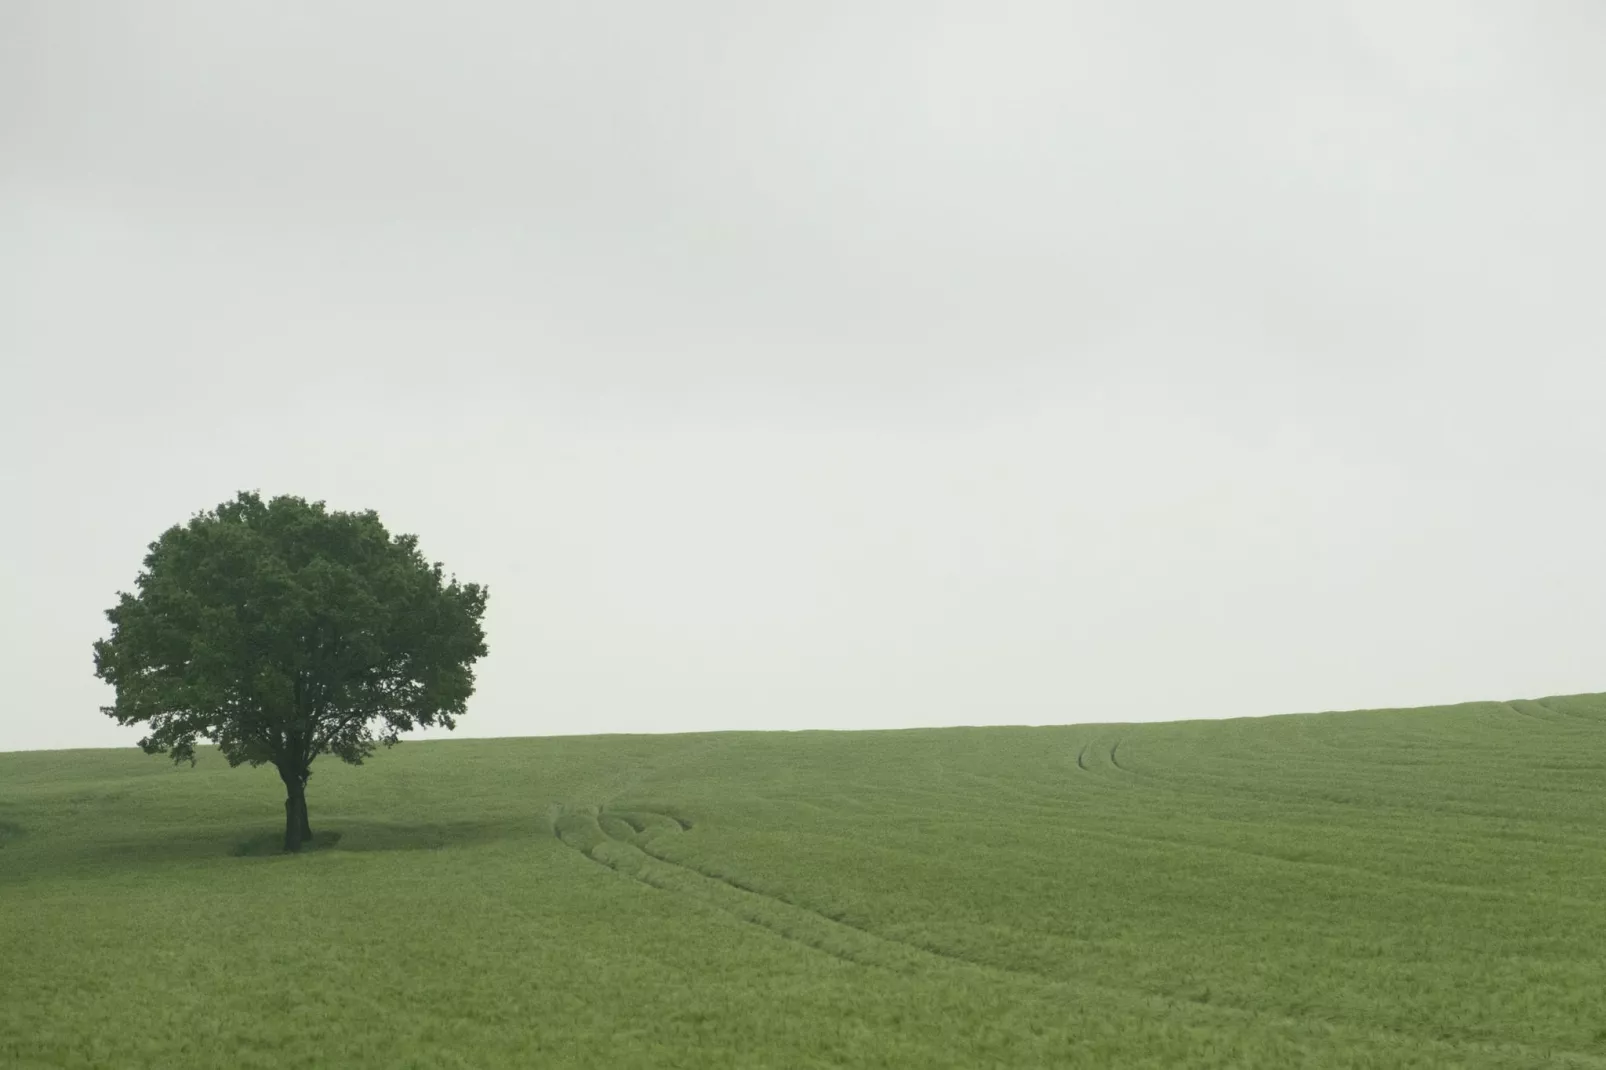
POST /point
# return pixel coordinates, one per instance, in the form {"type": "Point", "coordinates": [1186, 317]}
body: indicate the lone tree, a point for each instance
{"type": "Point", "coordinates": [280, 631]}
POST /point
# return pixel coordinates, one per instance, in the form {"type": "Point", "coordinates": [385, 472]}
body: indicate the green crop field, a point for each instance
{"type": "Point", "coordinates": [1407, 888]}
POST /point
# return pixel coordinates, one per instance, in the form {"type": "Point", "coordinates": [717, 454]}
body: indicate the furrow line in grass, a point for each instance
{"type": "Point", "coordinates": [1548, 722]}
{"type": "Point", "coordinates": [1094, 777]}
{"type": "Point", "coordinates": [1579, 718]}
{"type": "Point", "coordinates": [1400, 818]}
{"type": "Point", "coordinates": [854, 944]}
{"type": "Point", "coordinates": [1076, 820]}
{"type": "Point", "coordinates": [1205, 785]}
{"type": "Point", "coordinates": [796, 924]}
{"type": "Point", "coordinates": [1215, 786]}
{"type": "Point", "coordinates": [1117, 837]}
{"type": "Point", "coordinates": [1543, 713]}
{"type": "Point", "coordinates": [875, 951]}
{"type": "Point", "coordinates": [1408, 820]}
{"type": "Point", "coordinates": [1067, 806]}
{"type": "Point", "coordinates": [1422, 882]}
{"type": "Point", "coordinates": [1217, 789]}
{"type": "Point", "coordinates": [745, 888]}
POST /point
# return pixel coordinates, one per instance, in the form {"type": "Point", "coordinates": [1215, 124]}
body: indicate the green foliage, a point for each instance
{"type": "Point", "coordinates": [280, 631]}
{"type": "Point", "coordinates": [1377, 889]}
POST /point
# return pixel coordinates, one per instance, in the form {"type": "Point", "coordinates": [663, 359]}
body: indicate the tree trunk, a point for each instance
{"type": "Point", "coordinates": [306, 829]}
{"type": "Point", "coordinates": [296, 829]}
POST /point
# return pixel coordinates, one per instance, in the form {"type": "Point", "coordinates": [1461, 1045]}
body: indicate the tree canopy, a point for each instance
{"type": "Point", "coordinates": [281, 630]}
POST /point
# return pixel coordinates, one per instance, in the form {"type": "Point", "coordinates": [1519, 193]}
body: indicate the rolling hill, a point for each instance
{"type": "Point", "coordinates": [1401, 888]}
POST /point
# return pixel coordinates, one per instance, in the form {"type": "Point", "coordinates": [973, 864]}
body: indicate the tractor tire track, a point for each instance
{"type": "Point", "coordinates": [876, 950]}
{"type": "Point", "coordinates": [798, 924]}
{"type": "Point", "coordinates": [862, 947]}
{"type": "Point", "coordinates": [1575, 720]}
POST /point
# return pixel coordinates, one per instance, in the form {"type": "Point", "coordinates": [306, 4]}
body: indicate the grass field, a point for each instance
{"type": "Point", "coordinates": [1414, 888]}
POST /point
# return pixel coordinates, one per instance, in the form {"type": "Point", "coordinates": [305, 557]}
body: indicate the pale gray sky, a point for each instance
{"type": "Point", "coordinates": [831, 364]}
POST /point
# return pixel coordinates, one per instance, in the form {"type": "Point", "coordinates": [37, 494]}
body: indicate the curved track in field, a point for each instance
{"type": "Point", "coordinates": [635, 844]}
{"type": "Point", "coordinates": [1106, 784]}
{"type": "Point", "coordinates": [639, 854]}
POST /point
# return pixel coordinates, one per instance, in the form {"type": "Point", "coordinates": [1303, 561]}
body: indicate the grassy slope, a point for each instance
{"type": "Point", "coordinates": [1399, 888]}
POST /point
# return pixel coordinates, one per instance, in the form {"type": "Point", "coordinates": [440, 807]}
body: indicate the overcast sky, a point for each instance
{"type": "Point", "coordinates": [831, 364]}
